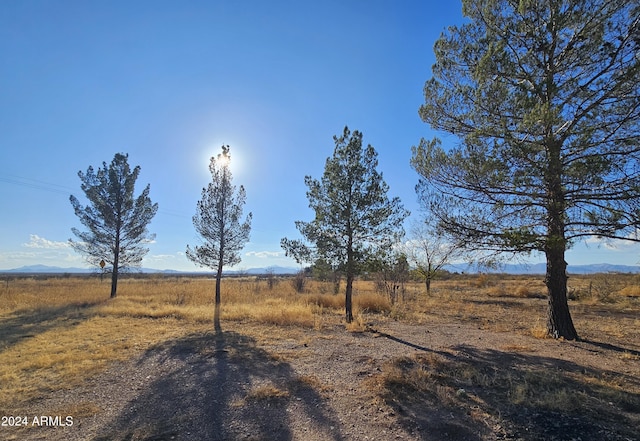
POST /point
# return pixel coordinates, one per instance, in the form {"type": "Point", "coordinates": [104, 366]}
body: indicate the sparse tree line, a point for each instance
{"type": "Point", "coordinates": [543, 98]}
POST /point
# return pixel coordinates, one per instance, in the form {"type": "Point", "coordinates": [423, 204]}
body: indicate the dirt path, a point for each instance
{"type": "Point", "coordinates": [266, 384]}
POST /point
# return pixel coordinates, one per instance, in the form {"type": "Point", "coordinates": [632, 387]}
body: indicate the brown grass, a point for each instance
{"type": "Point", "coordinates": [475, 387]}
{"type": "Point", "coordinates": [57, 332]}
{"type": "Point", "coordinates": [630, 291]}
{"type": "Point", "coordinates": [266, 392]}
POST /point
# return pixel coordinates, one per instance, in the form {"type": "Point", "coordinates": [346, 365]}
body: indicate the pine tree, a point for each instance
{"type": "Point", "coordinates": [116, 221]}
{"type": "Point", "coordinates": [544, 97]}
{"type": "Point", "coordinates": [354, 218]}
{"type": "Point", "coordinates": [218, 221]}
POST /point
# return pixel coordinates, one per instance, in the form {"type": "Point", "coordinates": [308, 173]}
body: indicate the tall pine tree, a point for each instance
{"type": "Point", "coordinates": [354, 218]}
{"type": "Point", "coordinates": [218, 221]}
{"type": "Point", "coordinates": [116, 220]}
{"type": "Point", "coordinates": [544, 97]}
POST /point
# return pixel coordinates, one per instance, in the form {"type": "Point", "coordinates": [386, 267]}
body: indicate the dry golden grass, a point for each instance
{"type": "Point", "coordinates": [266, 392]}
{"type": "Point", "coordinates": [539, 330]}
{"type": "Point", "coordinates": [333, 301]}
{"type": "Point", "coordinates": [67, 351]}
{"type": "Point", "coordinates": [55, 333]}
{"type": "Point", "coordinates": [630, 291]}
{"type": "Point", "coordinates": [475, 387]}
{"type": "Point", "coordinates": [372, 302]}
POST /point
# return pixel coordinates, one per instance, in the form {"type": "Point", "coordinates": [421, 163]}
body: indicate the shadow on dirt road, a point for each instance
{"type": "Point", "coordinates": [224, 388]}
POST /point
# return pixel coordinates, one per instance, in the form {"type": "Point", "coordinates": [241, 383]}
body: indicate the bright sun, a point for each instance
{"type": "Point", "coordinates": [233, 161]}
{"type": "Point", "coordinates": [223, 160]}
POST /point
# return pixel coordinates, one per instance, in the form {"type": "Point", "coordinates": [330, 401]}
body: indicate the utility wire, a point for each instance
{"type": "Point", "coordinates": [36, 184]}
{"type": "Point", "coordinates": [61, 189]}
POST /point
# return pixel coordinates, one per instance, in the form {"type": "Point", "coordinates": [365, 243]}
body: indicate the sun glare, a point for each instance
{"type": "Point", "coordinates": [222, 160]}
{"type": "Point", "coordinates": [234, 161]}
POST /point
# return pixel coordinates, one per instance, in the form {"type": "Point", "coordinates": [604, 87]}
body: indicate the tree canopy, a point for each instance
{"type": "Point", "coordinates": [116, 220]}
{"type": "Point", "coordinates": [354, 217]}
{"type": "Point", "coordinates": [544, 97]}
{"type": "Point", "coordinates": [218, 220]}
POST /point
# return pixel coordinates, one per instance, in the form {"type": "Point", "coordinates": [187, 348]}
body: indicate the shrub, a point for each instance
{"type": "Point", "coordinates": [372, 302]}
{"type": "Point", "coordinates": [326, 300]}
{"type": "Point", "coordinates": [630, 291]}
{"type": "Point", "coordinates": [299, 282]}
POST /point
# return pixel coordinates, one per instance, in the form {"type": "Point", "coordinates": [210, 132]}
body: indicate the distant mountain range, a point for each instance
{"type": "Point", "coordinates": [537, 268]}
{"type": "Point", "coordinates": [541, 268]}
{"type": "Point", "coordinates": [46, 269]}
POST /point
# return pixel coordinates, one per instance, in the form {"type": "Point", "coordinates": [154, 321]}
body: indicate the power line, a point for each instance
{"type": "Point", "coordinates": [36, 184]}
{"type": "Point", "coordinates": [61, 189]}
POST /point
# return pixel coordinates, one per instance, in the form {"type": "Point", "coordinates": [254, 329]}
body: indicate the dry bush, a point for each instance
{"type": "Point", "coordinates": [539, 330]}
{"type": "Point", "coordinates": [481, 281]}
{"type": "Point", "coordinates": [529, 292]}
{"type": "Point", "coordinates": [522, 291]}
{"type": "Point", "coordinates": [516, 287]}
{"type": "Point", "coordinates": [372, 302]}
{"type": "Point", "coordinates": [358, 324]}
{"type": "Point", "coordinates": [266, 392]}
{"type": "Point", "coordinates": [299, 282]}
{"type": "Point", "coordinates": [601, 287]}
{"type": "Point", "coordinates": [496, 291]}
{"type": "Point", "coordinates": [630, 291]}
{"type": "Point", "coordinates": [285, 315]}
{"type": "Point", "coordinates": [332, 301]}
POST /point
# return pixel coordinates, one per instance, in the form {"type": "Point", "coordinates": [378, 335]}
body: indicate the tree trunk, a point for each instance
{"type": "Point", "coordinates": [559, 322]}
{"type": "Point", "coordinates": [216, 320]}
{"type": "Point", "coordinates": [116, 259]}
{"type": "Point", "coordinates": [220, 261]}
{"type": "Point", "coordinates": [218, 278]}
{"type": "Point", "coordinates": [348, 310]}
{"type": "Point", "coordinates": [427, 282]}
{"type": "Point", "coordinates": [114, 271]}
{"type": "Point", "coordinates": [347, 300]}
{"type": "Point", "coordinates": [114, 281]}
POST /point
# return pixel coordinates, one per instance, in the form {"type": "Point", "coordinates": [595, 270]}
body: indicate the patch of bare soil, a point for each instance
{"type": "Point", "coordinates": [396, 381]}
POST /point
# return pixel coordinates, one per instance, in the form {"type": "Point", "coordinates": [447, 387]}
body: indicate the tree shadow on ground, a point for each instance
{"type": "Point", "coordinates": [504, 302]}
{"type": "Point", "coordinates": [29, 323]}
{"type": "Point", "coordinates": [481, 393]}
{"type": "Point", "coordinates": [223, 387]}
{"type": "Point", "coordinates": [611, 347]}
{"type": "Point", "coordinates": [418, 401]}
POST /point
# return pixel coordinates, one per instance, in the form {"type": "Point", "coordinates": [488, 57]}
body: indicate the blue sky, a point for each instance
{"type": "Point", "coordinates": [169, 82]}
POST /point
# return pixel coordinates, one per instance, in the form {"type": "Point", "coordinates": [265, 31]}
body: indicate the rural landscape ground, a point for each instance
{"type": "Point", "coordinates": [468, 362]}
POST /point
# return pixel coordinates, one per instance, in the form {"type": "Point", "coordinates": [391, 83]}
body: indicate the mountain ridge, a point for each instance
{"type": "Point", "coordinates": [47, 269]}
{"type": "Point", "coordinates": [537, 268]}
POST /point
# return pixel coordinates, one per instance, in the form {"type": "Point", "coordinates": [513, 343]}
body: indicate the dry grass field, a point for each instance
{"type": "Point", "coordinates": [60, 334]}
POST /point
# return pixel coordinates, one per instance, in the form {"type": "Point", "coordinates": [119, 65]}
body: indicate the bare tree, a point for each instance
{"type": "Point", "coordinates": [429, 251]}
{"type": "Point", "coordinates": [391, 271]}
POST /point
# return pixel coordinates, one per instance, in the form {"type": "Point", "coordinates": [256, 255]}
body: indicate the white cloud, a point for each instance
{"type": "Point", "coordinates": [161, 256]}
{"type": "Point", "coordinates": [36, 241]}
{"type": "Point", "coordinates": [622, 245]}
{"type": "Point", "coordinates": [264, 254]}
